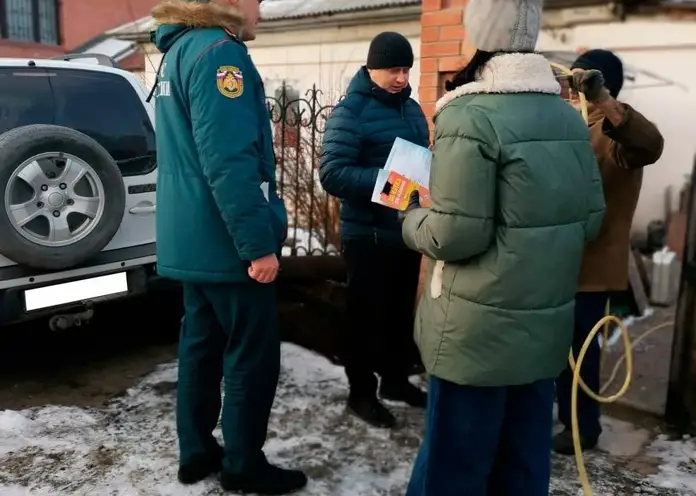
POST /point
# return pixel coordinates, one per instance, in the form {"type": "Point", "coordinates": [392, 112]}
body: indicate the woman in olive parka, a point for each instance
{"type": "Point", "coordinates": [516, 194]}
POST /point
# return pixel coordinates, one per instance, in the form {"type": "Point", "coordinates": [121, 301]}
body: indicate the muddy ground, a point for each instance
{"type": "Point", "coordinates": [87, 367]}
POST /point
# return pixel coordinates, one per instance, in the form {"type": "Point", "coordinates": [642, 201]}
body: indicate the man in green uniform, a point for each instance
{"type": "Point", "coordinates": [220, 226]}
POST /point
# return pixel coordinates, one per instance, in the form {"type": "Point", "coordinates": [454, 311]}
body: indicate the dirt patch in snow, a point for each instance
{"type": "Point", "coordinates": [89, 366]}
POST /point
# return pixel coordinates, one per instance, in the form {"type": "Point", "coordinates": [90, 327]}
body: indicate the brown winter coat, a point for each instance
{"type": "Point", "coordinates": [622, 152]}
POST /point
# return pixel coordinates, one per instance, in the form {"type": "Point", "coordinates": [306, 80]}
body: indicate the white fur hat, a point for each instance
{"type": "Point", "coordinates": [503, 25]}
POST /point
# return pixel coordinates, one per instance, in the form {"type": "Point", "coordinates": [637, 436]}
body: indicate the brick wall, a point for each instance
{"type": "Point", "coordinates": [15, 49]}
{"type": "Point", "coordinates": [442, 53]}
{"type": "Point", "coordinates": [80, 21]}
{"type": "Point", "coordinates": [442, 48]}
{"type": "Point", "coordinates": [85, 19]}
{"type": "Point", "coordinates": [134, 62]}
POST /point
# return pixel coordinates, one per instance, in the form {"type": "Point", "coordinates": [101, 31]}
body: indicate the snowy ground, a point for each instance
{"type": "Point", "coordinates": [129, 448]}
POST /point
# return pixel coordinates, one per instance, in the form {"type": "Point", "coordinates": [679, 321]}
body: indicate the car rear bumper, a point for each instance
{"type": "Point", "coordinates": [137, 264]}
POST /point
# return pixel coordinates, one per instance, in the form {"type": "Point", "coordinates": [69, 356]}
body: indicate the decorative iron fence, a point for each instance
{"type": "Point", "coordinates": [298, 127]}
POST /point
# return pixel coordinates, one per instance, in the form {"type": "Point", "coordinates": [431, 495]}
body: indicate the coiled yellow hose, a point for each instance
{"type": "Point", "coordinates": [603, 324]}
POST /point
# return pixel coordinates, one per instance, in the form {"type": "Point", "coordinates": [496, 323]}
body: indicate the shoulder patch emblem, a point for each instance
{"type": "Point", "coordinates": [230, 81]}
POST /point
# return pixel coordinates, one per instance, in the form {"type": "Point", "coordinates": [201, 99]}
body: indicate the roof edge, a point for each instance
{"type": "Point", "coordinates": [350, 10]}
{"type": "Point", "coordinates": [402, 13]}
{"type": "Point", "coordinates": [676, 5]}
{"type": "Point", "coordinates": [343, 19]}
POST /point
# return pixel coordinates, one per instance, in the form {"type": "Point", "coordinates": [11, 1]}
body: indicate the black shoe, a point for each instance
{"type": "Point", "coordinates": [404, 392]}
{"type": "Point", "coordinates": [417, 369]}
{"type": "Point", "coordinates": [200, 468]}
{"type": "Point", "coordinates": [563, 443]}
{"type": "Point", "coordinates": [268, 480]}
{"type": "Point", "coordinates": [371, 411]}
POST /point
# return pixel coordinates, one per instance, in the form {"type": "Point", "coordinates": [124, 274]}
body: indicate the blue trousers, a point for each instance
{"type": "Point", "coordinates": [485, 441]}
{"type": "Point", "coordinates": [589, 308]}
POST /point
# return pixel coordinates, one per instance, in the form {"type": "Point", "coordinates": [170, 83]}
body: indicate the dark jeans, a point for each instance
{"type": "Point", "coordinates": [589, 308]}
{"type": "Point", "coordinates": [230, 334]}
{"type": "Point", "coordinates": [382, 284]}
{"type": "Point", "coordinates": [485, 441]}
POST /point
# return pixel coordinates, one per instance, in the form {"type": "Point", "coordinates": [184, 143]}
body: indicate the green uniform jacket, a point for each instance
{"type": "Point", "coordinates": [217, 206]}
{"type": "Point", "coordinates": [516, 194]}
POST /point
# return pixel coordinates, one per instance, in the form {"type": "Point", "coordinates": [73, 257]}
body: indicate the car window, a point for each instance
{"type": "Point", "coordinates": [101, 105]}
{"type": "Point", "coordinates": [25, 98]}
{"type": "Point", "coordinates": [107, 108]}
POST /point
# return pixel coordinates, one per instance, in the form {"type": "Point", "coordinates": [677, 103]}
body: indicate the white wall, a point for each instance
{"type": "Point", "coordinates": [327, 57]}
{"type": "Point", "coordinates": [668, 49]}
{"type": "Point", "coordinates": [142, 77]}
{"type": "Point", "coordinates": [152, 60]}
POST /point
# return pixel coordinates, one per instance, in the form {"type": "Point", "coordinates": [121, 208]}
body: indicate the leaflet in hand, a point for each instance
{"type": "Point", "coordinates": [407, 169]}
{"type": "Point", "coordinates": [398, 188]}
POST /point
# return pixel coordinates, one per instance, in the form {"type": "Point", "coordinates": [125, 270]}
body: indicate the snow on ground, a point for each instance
{"type": "Point", "coordinates": [678, 467]}
{"type": "Point", "coordinates": [306, 243]}
{"type": "Point", "coordinates": [129, 447]}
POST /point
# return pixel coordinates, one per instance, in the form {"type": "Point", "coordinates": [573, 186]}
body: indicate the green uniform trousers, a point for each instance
{"type": "Point", "coordinates": [229, 333]}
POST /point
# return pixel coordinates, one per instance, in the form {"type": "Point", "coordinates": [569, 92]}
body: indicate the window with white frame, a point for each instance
{"type": "Point", "coordinates": [30, 21]}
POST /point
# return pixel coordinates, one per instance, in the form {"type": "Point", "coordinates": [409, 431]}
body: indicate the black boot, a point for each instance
{"type": "Point", "coordinates": [403, 391]}
{"type": "Point", "coordinates": [266, 480]}
{"type": "Point", "coordinates": [417, 368]}
{"type": "Point", "coordinates": [563, 443]}
{"type": "Point", "coordinates": [371, 411]}
{"type": "Point", "coordinates": [199, 468]}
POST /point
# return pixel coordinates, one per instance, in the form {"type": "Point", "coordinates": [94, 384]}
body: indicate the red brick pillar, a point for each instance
{"type": "Point", "coordinates": [442, 52]}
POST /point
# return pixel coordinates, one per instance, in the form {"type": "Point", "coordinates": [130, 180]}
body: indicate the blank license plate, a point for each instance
{"type": "Point", "coordinates": [70, 292]}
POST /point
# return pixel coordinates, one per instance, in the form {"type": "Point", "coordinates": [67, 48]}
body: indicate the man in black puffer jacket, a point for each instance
{"type": "Point", "coordinates": [382, 272]}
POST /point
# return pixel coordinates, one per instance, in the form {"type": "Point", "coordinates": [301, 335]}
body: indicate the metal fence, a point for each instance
{"type": "Point", "coordinates": [298, 124]}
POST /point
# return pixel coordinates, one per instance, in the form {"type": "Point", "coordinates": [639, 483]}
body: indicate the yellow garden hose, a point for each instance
{"type": "Point", "coordinates": [620, 361]}
{"type": "Point", "coordinates": [603, 324]}
{"type": "Point", "coordinates": [579, 101]}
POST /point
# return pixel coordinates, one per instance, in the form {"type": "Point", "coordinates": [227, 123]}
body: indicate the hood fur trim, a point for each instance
{"type": "Point", "coordinates": [198, 15]}
{"type": "Point", "coordinates": [509, 73]}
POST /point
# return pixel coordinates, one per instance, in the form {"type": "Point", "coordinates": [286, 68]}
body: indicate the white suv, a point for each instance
{"type": "Point", "coordinates": [78, 168]}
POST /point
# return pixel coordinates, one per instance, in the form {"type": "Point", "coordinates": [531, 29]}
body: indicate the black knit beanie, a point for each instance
{"type": "Point", "coordinates": [389, 50]}
{"type": "Point", "coordinates": [609, 64]}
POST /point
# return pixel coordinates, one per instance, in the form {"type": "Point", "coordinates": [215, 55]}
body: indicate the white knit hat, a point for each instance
{"type": "Point", "coordinates": [503, 25]}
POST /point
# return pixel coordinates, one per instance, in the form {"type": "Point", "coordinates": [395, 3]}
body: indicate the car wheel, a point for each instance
{"type": "Point", "coordinates": [63, 197]}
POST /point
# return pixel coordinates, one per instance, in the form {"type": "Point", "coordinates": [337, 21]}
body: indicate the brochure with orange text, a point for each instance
{"type": "Point", "coordinates": [407, 169]}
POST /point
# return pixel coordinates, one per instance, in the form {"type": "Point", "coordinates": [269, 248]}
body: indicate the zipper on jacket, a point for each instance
{"type": "Point", "coordinates": [401, 106]}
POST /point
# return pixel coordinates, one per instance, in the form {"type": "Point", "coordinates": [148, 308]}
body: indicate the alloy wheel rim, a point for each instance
{"type": "Point", "coordinates": [54, 199]}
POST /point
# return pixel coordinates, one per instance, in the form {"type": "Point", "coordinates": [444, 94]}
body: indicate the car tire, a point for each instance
{"type": "Point", "coordinates": [19, 145]}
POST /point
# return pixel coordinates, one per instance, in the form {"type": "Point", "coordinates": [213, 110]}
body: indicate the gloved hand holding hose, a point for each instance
{"type": "Point", "coordinates": [591, 83]}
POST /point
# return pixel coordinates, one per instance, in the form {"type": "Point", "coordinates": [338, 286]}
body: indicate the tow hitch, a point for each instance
{"type": "Point", "coordinates": [63, 322]}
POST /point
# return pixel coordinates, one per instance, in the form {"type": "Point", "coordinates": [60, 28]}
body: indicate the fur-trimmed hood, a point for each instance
{"type": "Point", "coordinates": [509, 73]}
{"type": "Point", "coordinates": [192, 14]}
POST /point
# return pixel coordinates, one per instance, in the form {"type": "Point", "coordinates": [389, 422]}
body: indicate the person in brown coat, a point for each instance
{"type": "Point", "coordinates": [624, 142]}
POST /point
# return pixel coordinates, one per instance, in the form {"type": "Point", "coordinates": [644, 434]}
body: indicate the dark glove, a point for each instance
{"type": "Point", "coordinates": [413, 203]}
{"type": "Point", "coordinates": [591, 83]}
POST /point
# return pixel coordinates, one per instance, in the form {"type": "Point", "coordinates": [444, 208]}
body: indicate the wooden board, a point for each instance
{"type": "Point", "coordinates": [676, 233]}
{"type": "Point", "coordinates": [636, 285]}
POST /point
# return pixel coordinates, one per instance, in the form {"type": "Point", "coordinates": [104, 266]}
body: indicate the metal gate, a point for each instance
{"type": "Point", "coordinates": [298, 124]}
{"type": "Point", "coordinates": [681, 397]}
